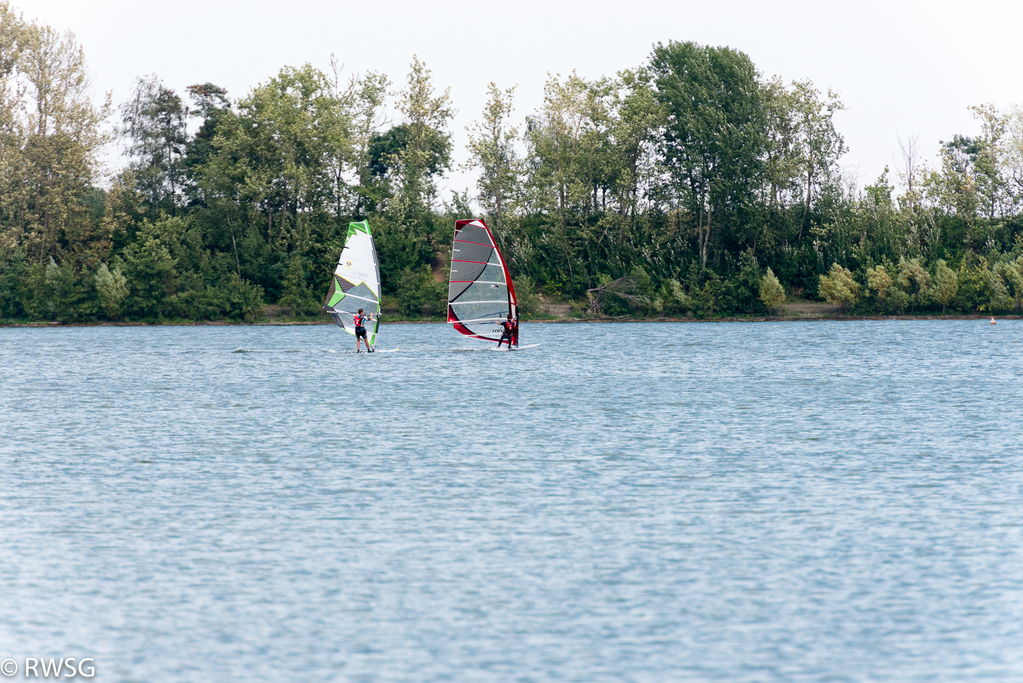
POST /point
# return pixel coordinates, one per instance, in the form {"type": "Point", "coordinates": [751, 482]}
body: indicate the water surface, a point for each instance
{"type": "Point", "coordinates": [832, 501]}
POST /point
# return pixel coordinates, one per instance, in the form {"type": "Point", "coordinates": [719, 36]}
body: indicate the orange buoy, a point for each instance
{"type": "Point", "coordinates": [993, 320]}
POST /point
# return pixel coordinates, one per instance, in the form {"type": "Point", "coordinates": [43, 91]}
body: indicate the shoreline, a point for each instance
{"type": "Point", "coordinates": [539, 321]}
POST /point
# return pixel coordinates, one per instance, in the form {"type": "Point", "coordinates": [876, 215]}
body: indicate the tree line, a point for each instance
{"type": "Point", "coordinates": [688, 185]}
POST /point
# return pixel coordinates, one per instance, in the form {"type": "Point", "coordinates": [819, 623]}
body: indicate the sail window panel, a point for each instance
{"type": "Point", "coordinates": [333, 295]}
{"type": "Point", "coordinates": [347, 316]}
{"type": "Point", "coordinates": [344, 284]}
{"type": "Point", "coordinates": [484, 292]}
{"type": "Point", "coordinates": [364, 294]}
{"type": "Point", "coordinates": [488, 330]}
{"type": "Point", "coordinates": [492, 273]}
{"type": "Point", "coordinates": [455, 289]}
{"type": "Point", "coordinates": [464, 251]}
{"type": "Point", "coordinates": [462, 271]}
{"type": "Point", "coordinates": [496, 310]}
{"type": "Point", "coordinates": [337, 318]}
{"type": "Point", "coordinates": [473, 233]}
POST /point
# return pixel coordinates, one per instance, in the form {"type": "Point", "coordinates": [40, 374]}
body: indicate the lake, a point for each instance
{"type": "Point", "coordinates": [807, 501]}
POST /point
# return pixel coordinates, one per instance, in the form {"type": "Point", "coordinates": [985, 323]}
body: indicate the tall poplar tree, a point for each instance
{"type": "Point", "coordinates": [492, 151]}
{"type": "Point", "coordinates": [426, 119]}
{"type": "Point", "coordinates": [819, 145]}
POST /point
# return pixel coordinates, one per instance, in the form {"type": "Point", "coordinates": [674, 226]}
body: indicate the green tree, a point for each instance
{"type": "Point", "coordinates": [992, 187]}
{"type": "Point", "coordinates": [1009, 277]}
{"type": "Point", "coordinates": [526, 296]}
{"type": "Point", "coordinates": [974, 285]}
{"type": "Point", "coordinates": [781, 154]}
{"type": "Point", "coordinates": [154, 122]}
{"type": "Point", "coordinates": [772, 294]}
{"type": "Point", "coordinates": [419, 295]}
{"type": "Point", "coordinates": [702, 294]}
{"type": "Point", "coordinates": [50, 139]}
{"type": "Point", "coordinates": [617, 297]}
{"type": "Point", "coordinates": [954, 189]}
{"type": "Point", "coordinates": [298, 296]}
{"type": "Point", "coordinates": [627, 172]}
{"type": "Point", "coordinates": [350, 118]}
{"type": "Point", "coordinates": [427, 148]}
{"type": "Point", "coordinates": [55, 292]}
{"type": "Point", "coordinates": [15, 34]}
{"type": "Point", "coordinates": [1013, 274]}
{"type": "Point", "coordinates": [714, 138]}
{"type": "Point", "coordinates": [1012, 159]}
{"type": "Point", "coordinates": [636, 116]}
{"type": "Point", "coordinates": [564, 172]}
{"type": "Point", "coordinates": [882, 230]}
{"type": "Point", "coordinates": [566, 140]}
{"type": "Point", "coordinates": [818, 143]}
{"type": "Point", "coordinates": [915, 281]}
{"type": "Point", "coordinates": [746, 285]}
{"type": "Point", "coordinates": [210, 105]}
{"type": "Point", "coordinates": [945, 286]}
{"type": "Point", "coordinates": [879, 282]}
{"type": "Point", "coordinates": [1000, 297]}
{"type": "Point", "coordinates": [492, 150]}
{"type": "Point", "coordinates": [839, 287]}
{"type": "Point", "coordinates": [150, 272]}
{"type": "Point", "coordinates": [112, 288]}
{"type": "Point", "coordinates": [385, 154]}
{"type": "Point", "coordinates": [367, 120]}
{"type": "Point", "coordinates": [280, 146]}
{"type": "Point", "coordinates": [13, 270]}
{"type": "Point", "coordinates": [287, 161]}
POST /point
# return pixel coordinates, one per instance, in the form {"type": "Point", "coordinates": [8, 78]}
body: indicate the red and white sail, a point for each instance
{"type": "Point", "coordinates": [480, 291]}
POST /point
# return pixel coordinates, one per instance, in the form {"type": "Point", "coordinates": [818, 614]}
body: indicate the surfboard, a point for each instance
{"type": "Point", "coordinates": [515, 348]}
{"type": "Point", "coordinates": [377, 351]}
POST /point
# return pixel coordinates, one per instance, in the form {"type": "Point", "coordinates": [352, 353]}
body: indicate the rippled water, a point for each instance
{"type": "Point", "coordinates": [630, 502]}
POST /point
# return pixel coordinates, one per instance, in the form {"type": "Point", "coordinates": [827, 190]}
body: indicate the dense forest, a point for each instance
{"type": "Point", "coordinates": [690, 185]}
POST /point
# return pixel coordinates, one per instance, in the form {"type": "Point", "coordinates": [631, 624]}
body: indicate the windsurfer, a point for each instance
{"type": "Point", "coordinates": [508, 328]}
{"type": "Point", "coordinates": [360, 331]}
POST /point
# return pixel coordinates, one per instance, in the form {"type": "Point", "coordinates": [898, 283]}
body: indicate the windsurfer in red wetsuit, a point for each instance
{"type": "Point", "coordinates": [508, 331]}
{"type": "Point", "coordinates": [360, 331]}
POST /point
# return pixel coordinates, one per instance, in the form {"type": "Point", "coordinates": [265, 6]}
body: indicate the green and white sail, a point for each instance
{"type": "Point", "coordinates": [356, 282]}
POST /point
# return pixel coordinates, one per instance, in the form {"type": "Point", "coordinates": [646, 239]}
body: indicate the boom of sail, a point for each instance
{"type": "Point", "coordinates": [356, 282]}
{"type": "Point", "coordinates": [480, 291]}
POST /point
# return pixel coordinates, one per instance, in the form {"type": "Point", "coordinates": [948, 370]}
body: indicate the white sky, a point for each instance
{"type": "Point", "coordinates": [909, 67]}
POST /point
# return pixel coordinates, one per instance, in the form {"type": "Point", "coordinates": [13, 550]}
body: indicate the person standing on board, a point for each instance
{"type": "Point", "coordinates": [508, 331]}
{"type": "Point", "coordinates": [360, 331]}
